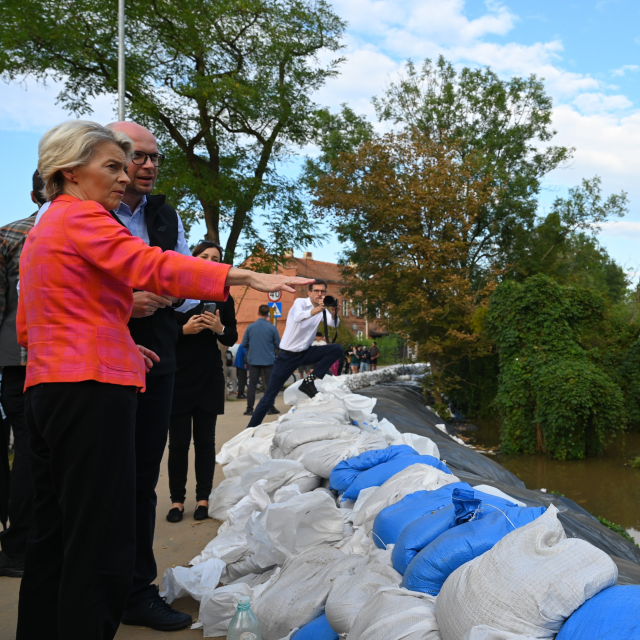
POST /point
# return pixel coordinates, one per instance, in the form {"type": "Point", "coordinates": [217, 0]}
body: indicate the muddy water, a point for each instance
{"type": "Point", "coordinates": [605, 486]}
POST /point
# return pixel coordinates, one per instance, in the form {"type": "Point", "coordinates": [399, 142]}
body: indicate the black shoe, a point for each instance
{"type": "Point", "coordinates": [308, 386]}
{"type": "Point", "coordinates": [201, 512]}
{"type": "Point", "coordinates": [175, 514]}
{"type": "Point", "coordinates": [11, 567]}
{"type": "Point", "coordinates": [272, 411]}
{"type": "Point", "coordinates": [241, 396]}
{"type": "Point", "coordinates": [248, 412]}
{"type": "Point", "coordinates": [155, 613]}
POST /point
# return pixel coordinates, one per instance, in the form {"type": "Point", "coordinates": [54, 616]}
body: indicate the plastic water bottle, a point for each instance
{"type": "Point", "coordinates": [244, 625]}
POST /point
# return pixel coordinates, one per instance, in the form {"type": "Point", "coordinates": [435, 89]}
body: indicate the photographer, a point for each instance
{"type": "Point", "coordinates": [303, 321]}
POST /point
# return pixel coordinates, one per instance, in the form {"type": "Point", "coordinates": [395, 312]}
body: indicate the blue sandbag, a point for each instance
{"type": "Point", "coordinates": [318, 629]}
{"type": "Point", "coordinates": [612, 614]}
{"type": "Point", "coordinates": [418, 534]}
{"type": "Point", "coordinates": [345, 472]}
{"type": "Point", "coordinates": [451, 549]}
{"type": "Point", "coordinates": [379, 474]}
{"type": "Point", "coordinates": [391, 521]}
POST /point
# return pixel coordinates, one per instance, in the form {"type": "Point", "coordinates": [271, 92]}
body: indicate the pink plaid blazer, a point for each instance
{"type": "Point", "coordinates": [77, 271]}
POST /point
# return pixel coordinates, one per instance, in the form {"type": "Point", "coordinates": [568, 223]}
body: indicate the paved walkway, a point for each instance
{"type": "Point", "coordinates": [175, 544]}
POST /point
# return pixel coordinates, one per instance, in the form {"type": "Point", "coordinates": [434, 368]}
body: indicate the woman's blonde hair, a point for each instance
{"type": "Point", "coordinates": [69, 145]}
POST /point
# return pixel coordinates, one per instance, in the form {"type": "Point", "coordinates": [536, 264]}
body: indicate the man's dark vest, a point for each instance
{"type": "Point", "coordinates": [159, 332]}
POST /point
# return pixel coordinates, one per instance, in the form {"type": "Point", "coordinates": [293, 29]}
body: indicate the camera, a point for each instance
{"type": "Point", "coordinates": [330, 301]}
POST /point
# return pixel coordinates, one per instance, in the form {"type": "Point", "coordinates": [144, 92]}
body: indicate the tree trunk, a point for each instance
{"type": "Point", "coordinates": [435, 373]}
{"type": "Point", "coordinates": [540, 445]}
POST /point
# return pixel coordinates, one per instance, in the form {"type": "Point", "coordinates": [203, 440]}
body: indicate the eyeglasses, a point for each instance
{"type": "Point", "coordinates": [140, 158]}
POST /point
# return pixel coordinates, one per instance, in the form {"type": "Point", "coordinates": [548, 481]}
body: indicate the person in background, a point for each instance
{"type": "Point", "coordinates": [13, 359]}
{"type": "Point", "coordinates": [198, 394]}
{"type": "Point", "coordinates": [319, 341]}
{"type": "Point", "coordinates": [354, 359]}
{"type": "Point", "coordinates": [261, 340]}
{"type": "Point", "coordinates": [374, 353]}
{"type": "Point", "coordinates": [240, 363]}
{"type": "Point", "coordinates": [78, 269]}
{"type": "Point", "coordinates": [365, 359]}
{"type": "Point", "coordinates": [302, 325]}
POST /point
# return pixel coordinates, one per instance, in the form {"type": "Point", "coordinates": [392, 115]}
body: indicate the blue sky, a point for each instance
{"type": "Point", "coordinates": [588, 52]}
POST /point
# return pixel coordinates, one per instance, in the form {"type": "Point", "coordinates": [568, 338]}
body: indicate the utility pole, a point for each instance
{"type": "Point", "coordinates": [121, 114]}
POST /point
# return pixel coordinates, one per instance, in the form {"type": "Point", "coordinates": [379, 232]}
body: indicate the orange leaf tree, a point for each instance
{"type": "Point", "coordinates": [407, 208]}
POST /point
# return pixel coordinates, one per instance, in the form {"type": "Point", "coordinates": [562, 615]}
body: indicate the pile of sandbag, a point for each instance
{"type": "Point", "coordinates": [338, 526]}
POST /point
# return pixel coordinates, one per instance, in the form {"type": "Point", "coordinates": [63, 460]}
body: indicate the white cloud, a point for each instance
{"type": "Point", "coordinates": [600, 102]}
{"type": "Point", "coordinates": [624, 68]}
{"type": "Point", "coordinates": [31, 106]}
{"type": "Point", "coordinates": [623, 229]}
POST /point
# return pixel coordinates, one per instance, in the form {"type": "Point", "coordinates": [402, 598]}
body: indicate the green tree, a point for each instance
{"type": "Point", "coordinates": [505, 123]}
{"type": "Point", "coordinates": [553, 396]}
{"type": "Point", "coordinates": [225, 85]}
{"type": "Point", "coordinates": [407, 208]}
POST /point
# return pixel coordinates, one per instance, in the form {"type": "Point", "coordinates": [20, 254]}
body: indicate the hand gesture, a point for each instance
{"type": "Point", "coordinates": [148, 356]}
{"type": "Point", "coordinates": [194, 325]}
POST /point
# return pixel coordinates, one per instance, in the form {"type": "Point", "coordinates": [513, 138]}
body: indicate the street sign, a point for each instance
{"type": "Point", "coordinates": [274, 296]}
{"type": "Point", "coordinates": [278, 309]}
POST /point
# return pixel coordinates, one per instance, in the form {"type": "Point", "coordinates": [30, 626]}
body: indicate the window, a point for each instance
{"type": "Point", "coordinates": [359, 309]}
{"type": "Point", "coordinates": [359, 335]}
{"type": "Point", "coordinates": [378, 313]}
{"type": "Point", "coordinates": [345, 308]}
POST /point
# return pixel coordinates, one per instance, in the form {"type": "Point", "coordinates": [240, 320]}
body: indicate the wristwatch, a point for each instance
{"type": "Point", "coordinates": [178, 303]}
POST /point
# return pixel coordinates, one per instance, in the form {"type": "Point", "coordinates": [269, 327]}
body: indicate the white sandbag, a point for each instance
{"type": "Point", "coordinates": [251, 440]}
{"type": "Point", "coordinates": [396, 614]}
{"type": "Point", "coordinates": [252, 579]}
{"type": "Point", "coordinates": [321, 457]}
{"type": "Point", "coordinates": [350, 592]}
{"type": "Point", "coordinates": [483, 632]}
{"type": "Point", "coordinates": [293, 526]}
{"type": "Point", "coordinates": [492, 491]}
{"type": "Point", "coordinates": [228, 547]}
{"type": "Point", "coordinates": [240, 570]}
{"type": "Point", "coordinates": [289, 440]}
{"type": "Point", "coordinates": [359, 407]}
{"type": "Point", "coordinates": [197, 582]}
{"type": "Point", "coordinates": [248, 461]}
{"type": "Point", "coordinates": [529, 583]}
{"type": "Point", "coordinates": [256, 500]}
{"type": "Point", "coordinates": [299, 593]}
{"type": "Point", "coordinates": [381, 427]}
{"type": "Point", "coordinates": [276, 473]}
{"type": "Point", "coordinates": [423, 445]}
{"type": "Point", "coordinates": [219, 606]}
{"type": "Point", "coordinates": [226, 495]}
{"type": "Point", "coordinates": [417, 477]}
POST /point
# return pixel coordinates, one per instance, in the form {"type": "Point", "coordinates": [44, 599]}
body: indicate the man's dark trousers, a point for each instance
{"type": "Point", "coordinates": [14, 539]}
{"type": "Point", "coordinates": [254, 375]}
{"type": "Point", "coordinates": [286, 363]}
{"type": "Point", "coordinates": [152, 427]}
{"type": "Point", "coordinates": [242, 380]}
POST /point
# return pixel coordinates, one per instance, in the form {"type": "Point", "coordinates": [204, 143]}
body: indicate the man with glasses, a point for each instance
{"type": "Point", "coordinates": [152, 325]}
{"type": "Point", "coordinates": [300, 331]}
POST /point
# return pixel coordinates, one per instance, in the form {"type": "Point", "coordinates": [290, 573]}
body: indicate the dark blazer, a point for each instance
{"type": "Point", "coordinates": [159, 332]}
{"type": "Point", "coordinates": [199, 376]}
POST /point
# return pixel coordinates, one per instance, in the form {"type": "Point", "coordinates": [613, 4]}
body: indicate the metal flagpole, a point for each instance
{"type": "Point", "coordinates": [121, 115]}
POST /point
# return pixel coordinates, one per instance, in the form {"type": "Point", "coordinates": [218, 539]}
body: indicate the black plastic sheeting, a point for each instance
{"type": "Point", "coordinates": [403, 405]}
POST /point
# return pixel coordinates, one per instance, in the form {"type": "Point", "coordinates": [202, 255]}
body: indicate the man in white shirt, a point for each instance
{"type": "Point", "coordinates": [303, 321]}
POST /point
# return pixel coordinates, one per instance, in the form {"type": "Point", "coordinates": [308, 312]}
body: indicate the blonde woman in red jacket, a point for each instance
{"type": "Point", "coordinates": [77, 272]}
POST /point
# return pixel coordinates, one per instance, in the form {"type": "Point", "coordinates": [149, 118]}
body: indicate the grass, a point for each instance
{"type": "Point", "coordinates": [619, 529]}
{"type": "Point", "coordinates": [635, 462]}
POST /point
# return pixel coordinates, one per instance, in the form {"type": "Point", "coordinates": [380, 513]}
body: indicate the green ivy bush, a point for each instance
{"type": "Point", "coordinates": [553, 398]}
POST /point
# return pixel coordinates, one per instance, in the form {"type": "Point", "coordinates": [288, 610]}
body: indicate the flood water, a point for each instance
{"type": "Point", "coordinates": [605, 486]}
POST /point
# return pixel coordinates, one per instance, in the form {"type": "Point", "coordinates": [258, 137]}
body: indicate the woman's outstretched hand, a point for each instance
{"type": "Point", "coordinates": [265, 281]}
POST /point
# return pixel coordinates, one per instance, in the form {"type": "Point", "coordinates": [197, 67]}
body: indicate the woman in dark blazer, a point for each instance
{"type": "Point", "coordinates": [198, 394]}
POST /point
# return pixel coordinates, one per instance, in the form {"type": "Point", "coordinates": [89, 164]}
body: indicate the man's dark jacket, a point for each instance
{"type": "Point", "coordinates": [159, 332]}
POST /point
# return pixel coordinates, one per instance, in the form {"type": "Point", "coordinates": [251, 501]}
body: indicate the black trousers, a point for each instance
{"type": "Point", "coordinates": [14, 539]}
{"type": "Point", "coordinates": [204, 442]}
{"type": "Point", "coordinates": [81, 551]}
{"type": "Point", "coordinates": [254, 375]}
{"type": "Point", "coordinates": [152, 426]}
{"type": "Point", "coordinates": [286, 363]}
{"type": "Point", "coordinates": [242, 380]}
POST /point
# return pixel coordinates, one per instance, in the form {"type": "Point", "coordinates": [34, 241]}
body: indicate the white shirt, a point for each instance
{"type": "Point", "coordinates": [302, 327]}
